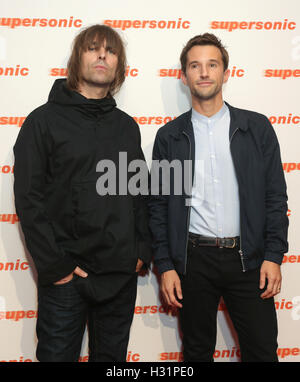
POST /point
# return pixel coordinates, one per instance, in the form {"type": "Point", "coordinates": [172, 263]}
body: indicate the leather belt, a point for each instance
{"type": "Point", "coordinates": [220, 242]}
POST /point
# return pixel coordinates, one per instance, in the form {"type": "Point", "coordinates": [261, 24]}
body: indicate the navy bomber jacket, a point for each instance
{"type": "Point", "coordinates": [262, 191]}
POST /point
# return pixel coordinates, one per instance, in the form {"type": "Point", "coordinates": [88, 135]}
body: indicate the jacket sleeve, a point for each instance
{"type": "Point", "coordinates": [276, 227]}
{"type": "Point", "coordinates": [140, 207]}
{"type": "Point", "coordinates": [158, 208]}
{"type": "Point", "coordinates": [32, 150]}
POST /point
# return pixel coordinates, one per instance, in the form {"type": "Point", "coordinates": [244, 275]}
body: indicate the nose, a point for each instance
{"type": "Point", "coordinates": [102, 53]}
{"type": "Point", "coordinates": [203, 71]}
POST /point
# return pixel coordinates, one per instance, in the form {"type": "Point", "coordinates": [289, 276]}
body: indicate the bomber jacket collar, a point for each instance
{"type": "Point", "coordinates": [238, 119]}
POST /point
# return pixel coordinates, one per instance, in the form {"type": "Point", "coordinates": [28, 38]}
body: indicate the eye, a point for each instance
{"type": "Point", "coordinates": [110, 50]}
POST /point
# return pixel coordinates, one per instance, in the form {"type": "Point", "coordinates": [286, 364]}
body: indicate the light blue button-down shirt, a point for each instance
{"type": "Point", "coordinates": [215, 208]}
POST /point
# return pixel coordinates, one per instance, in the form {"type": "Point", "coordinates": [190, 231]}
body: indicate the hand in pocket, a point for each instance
{"type": "Point", "coordinates": [78, 271]}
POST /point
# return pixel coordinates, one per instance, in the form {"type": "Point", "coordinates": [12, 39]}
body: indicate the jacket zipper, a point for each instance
{"type": "Point", "coordinates": [240, 250]}
{"type": "Point", "coordinates": [189, 209]}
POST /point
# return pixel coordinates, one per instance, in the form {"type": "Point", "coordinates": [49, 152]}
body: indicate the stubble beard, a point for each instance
{"type": "Point", "coordinates": [202, 96]}
{"type": "Point", "coordinates": [105, 79]}
{"type": "Point", "coordinates": [94, 80]}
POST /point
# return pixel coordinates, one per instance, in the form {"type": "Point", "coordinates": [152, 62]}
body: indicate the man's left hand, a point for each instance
{"type": "Point", "coordinates": [139, 265]}
{"type": "Point", "coordinates": [270, 271]}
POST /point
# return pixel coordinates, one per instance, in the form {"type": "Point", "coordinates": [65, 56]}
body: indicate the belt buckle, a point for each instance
{"type": "Point", "coordinates": [219, 243]}
{"type": "Point", "coordinates": [233, 245]}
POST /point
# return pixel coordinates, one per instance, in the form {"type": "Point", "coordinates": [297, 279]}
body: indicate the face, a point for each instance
{"type": "Point", "coordinates": [205, 74]}
{"type": "Point", "coordinates": [98, 65]}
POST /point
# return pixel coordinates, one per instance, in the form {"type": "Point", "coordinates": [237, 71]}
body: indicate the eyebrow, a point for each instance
{"type": "Point", "coordinates": [96, 44]}
{"type": "Point", "coordinates": [210, 60]}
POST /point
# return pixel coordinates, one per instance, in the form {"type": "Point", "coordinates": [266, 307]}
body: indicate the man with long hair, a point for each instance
{"type": "Point", "coordinates": [87, 248]}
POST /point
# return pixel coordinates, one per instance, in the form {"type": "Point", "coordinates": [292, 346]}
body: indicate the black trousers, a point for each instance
{"type": "Point", "coordinates": [214, 272]}
{"type": "Point", "coordinates": [62, 316]}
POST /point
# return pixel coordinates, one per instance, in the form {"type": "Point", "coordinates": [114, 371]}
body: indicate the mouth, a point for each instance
{"type": "Point", "coordinates": [204, 83]}
{"type": "Point", "coordinates": [100, 67]}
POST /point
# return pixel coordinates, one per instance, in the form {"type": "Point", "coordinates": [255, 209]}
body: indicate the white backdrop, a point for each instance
{"type": "Point", "coordinates": [263, 40]}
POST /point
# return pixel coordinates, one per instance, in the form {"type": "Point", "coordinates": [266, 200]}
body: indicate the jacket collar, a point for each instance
{"type": "Point", "coordinates": [184, 125]}
{"type": "Point", "coordinates": [238, 119]}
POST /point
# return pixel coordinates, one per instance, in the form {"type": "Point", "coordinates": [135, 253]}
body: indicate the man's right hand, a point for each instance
{"type": "Point", "coordinates": [78, 271]}
{"type": "Point", "coordinates": [170, 284]}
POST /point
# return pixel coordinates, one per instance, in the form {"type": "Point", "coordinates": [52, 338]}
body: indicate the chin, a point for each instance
{"type": "Point", "coordinates": [204, 97]}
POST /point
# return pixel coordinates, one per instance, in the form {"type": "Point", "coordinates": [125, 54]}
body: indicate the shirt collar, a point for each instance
{"type": "Point", "coordinates": [197, 117]}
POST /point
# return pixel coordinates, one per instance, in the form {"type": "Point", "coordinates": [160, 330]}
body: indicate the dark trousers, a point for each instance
{"type": "Point", "coordinates": [214, 272]}
{"type": "Point", "coordinates": [62, 316]}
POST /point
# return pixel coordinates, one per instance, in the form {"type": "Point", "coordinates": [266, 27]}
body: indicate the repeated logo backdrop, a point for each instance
{"type": "Point", "coordinates": [263, 40]}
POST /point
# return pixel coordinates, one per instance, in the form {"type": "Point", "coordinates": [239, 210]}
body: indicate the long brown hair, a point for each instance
{"type": "Point", "coordinates": [204, 39]}
{"type": "Point", "coordinates": [81, 44]}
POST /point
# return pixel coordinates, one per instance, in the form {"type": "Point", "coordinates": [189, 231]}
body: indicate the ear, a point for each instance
{"type": "Point", "coordinates": [226, 76]}
{"type": "Point", "coordinates": [183, 78]}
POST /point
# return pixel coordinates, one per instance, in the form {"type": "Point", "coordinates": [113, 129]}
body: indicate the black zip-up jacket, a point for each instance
{"type": "Point", "coordinates": [65, 222]}
{"type": "Point", "coordinates": [262, 191]}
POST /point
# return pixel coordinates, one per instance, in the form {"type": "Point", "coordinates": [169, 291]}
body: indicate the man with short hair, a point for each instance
{"type": "Point", "coordinates": [227, 234]}
{"type": "Point", "coordinates": [87, 248]}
